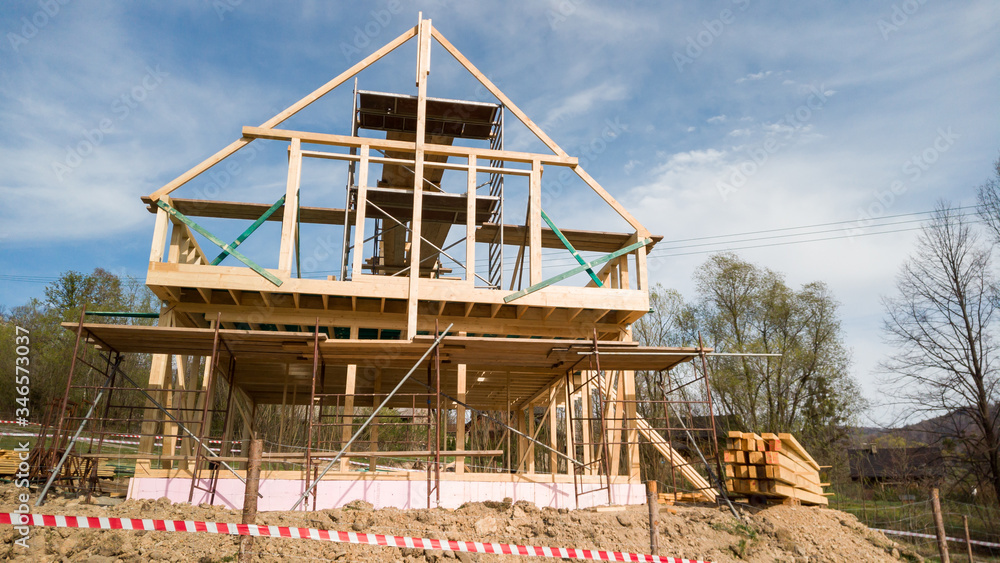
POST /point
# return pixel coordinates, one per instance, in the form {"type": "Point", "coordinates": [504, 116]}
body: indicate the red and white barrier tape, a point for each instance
{"type": "Point", "coordinates": [325, 535]}
{"type": "Point", "coordinates": [932, 536]}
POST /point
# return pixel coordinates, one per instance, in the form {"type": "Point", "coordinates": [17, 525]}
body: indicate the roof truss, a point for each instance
{"type": "Point", "coordinates": [270, 124]}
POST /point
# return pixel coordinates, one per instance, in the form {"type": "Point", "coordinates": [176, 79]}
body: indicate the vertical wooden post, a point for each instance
{"type": "Point", "coordinates": [535, 223]}
{"type": "Point", "coordinates": [641, 271]}
{"type": "Point", "coordinates": [510, 453]}
{"type": "Point", "coordinates": [470, 225]}
{"type": "Point", "coordinates": [158, 372]}
{"type": "Point", "coordinates": [347, 430]}
{"type": "Point", "coordinates": [968, 541]}
{"type": "Point", "coordinates": [631, 430]}
{"type": "Point", "coordinates": [289, 221]}
{"type": "Point", "coordinates": [553, 443]}
{"type": "Point", "coordinates": [570, 438]}
{"type": "Point", "coordinates": [460, 419]}
{"type": "Point", "coordinates": [284, 405]}
{"type": "Point", "coordinates": [362, 205]}
{"type": "Point", "coordinates": [939, 525]}
{"type": "Point", "coordinates": [159, 235]}
{"type": "Point", "coordinates": [654, 525]}
{"type": "Point", "coordinates": [522, 442]}
{"type": "Point", "coordinates": [531, 444]}
{"type": "Point", "coordinates": [615, 412]}
{"type": "Point", "coordinates": [372, 462]}
{"type": "Point", "coordinates": [423, 69]}
{"type": "Point", "coordinates": [169, 427]}
{"type": "Point", "coordinates": [624, 282]}
{"type": "Point", "coordinates": [190, 402]}
{"type": "Point", "coordinates": [250, 497]}
{"type": "Point", "coordinates": [587, 438]}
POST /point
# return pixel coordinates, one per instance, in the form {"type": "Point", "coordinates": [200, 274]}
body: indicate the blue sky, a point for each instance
{"type": "Point", "coordinates": [703, 118]}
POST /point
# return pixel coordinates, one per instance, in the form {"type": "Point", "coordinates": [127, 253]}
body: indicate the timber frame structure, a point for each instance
{"type": "Point", "coordinates": [542, 372]}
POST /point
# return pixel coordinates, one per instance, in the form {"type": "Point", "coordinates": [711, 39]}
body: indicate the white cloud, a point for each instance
{"type": "Point", "coordinates": [717, 119]}
{"type": "Point", "coordinates": [756, 76]}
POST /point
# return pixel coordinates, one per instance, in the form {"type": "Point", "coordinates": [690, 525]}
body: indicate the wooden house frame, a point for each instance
{"type": "Point", "coordinates": [267, 336]}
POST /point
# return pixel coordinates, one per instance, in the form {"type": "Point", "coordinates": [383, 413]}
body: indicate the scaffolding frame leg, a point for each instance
{"type": "Point", "coordinates": [437, 342]}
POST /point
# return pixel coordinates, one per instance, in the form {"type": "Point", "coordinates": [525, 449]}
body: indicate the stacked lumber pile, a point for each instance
{"type": "Point", "coordinates": [10, 460]}
{"type": "Point", "coordinates": [105, 468]}
{"type": "Point", "coordinates": [671, 498]}
{"type": "Point", "coordinates": [774, 466]}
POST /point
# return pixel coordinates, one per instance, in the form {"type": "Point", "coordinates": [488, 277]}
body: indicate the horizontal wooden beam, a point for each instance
{"type": "Point", "coordinates": [285, 114]}
{"type": "Point", "coordinates": [587, 241]}
{"type": "Point", "coordinates": [405, 146]}
{"type": "Point", "coordinates": [225, 278]}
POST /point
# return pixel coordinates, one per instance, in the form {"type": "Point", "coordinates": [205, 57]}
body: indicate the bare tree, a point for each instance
{"type": "Point", "coordinates": [940, 322]}
{"type": "Point", "coordinates": [989, 201]}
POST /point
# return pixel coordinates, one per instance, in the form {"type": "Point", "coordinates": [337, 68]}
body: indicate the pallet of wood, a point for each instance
{"type": "Point", "coordinates": [10, 460]}
{"type": "Point", "coordinates": [774, 466]}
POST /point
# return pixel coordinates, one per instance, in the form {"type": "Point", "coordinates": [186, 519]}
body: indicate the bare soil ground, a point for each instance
{"type": "Point", "coordinates": [781, 533]}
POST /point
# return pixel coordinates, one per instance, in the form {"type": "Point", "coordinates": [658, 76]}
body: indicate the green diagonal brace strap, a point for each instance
{"type": "Point", "coordinates": [218, 242]}
{"type": "Point", "coordinates": [260, 221]}
{"type": "Point", "coordinates": [572, 250]}
{"type": "Point", "coordinates": [577, 270]}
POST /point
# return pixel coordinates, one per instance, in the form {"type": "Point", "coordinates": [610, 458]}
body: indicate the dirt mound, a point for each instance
{"type": "Point", "coordinates": [784, 533]}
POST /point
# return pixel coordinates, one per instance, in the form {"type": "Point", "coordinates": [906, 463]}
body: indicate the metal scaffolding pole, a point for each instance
{"type": "Point", "coordinates": [375, 412]}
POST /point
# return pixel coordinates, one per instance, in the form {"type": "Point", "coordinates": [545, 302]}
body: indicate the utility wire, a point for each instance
{"type": "Point", "coordinates": [821, 225]}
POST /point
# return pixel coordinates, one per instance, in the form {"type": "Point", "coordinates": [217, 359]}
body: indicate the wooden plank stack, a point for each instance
{"type": "Point", "coordinates": [10, 461]}
{"type": "Point", "coordinates": [671, 498]}
{"type": "Point", "coordinates": [775, 466]}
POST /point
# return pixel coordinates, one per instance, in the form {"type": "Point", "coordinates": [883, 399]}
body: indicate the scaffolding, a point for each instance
{"type": "Point", "coordinates": [532, 390]}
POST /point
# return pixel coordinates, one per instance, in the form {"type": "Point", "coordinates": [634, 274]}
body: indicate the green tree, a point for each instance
{"type": "Point", "coordinates": [806, 389]}
{"type": "Point", "coordinates": [51, 344]}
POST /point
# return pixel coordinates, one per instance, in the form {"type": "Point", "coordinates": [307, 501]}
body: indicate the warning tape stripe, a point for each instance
{"type": "Point", "coordinates": [932, 536]}
{"type": "Point", "coordinates": [190, 526]}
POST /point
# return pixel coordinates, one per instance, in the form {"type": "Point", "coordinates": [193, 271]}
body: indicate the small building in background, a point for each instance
{"type": "Point", "coordinates": [878, 466]}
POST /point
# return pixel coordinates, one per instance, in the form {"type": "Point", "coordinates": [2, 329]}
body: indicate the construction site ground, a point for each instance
{"type": "Point", "coordinates": [779, 533]}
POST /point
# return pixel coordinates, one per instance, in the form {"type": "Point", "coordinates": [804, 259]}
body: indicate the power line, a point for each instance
{"type": "Point", "coordinates": [785, 243]}
{"type": "Point", "coordinates": [804, 234]}
{"type": "Point", "coordinates": [822, 224]}
{"type": "Point", "coordinates": [27, 279]}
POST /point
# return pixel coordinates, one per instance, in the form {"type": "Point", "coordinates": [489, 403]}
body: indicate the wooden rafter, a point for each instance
{"type": "Point", "coordinates": [285, 114]}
